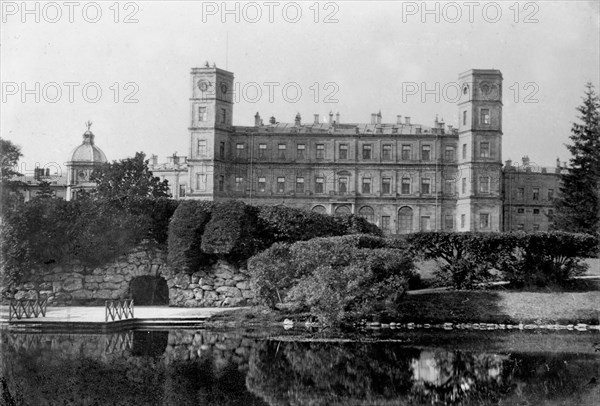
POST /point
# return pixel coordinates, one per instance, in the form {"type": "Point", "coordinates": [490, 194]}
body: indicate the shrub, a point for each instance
{"type": "Point", "coordinates": [159, 212]}
{"type": "Point", "coordinates": [549, 258]}
{"type": "Point", "coordinates": [338, 278]}
{"type": "Point", "coordinates": [185, 235]}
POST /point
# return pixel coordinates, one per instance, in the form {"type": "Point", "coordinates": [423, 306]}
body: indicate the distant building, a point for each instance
{"type": "Point", "coordinates": [32, 184]}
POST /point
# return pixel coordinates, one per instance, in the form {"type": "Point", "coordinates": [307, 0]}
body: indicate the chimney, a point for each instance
{"type": "Point", "coordinates": [508, 163]}
{"type": "Point", "coordinates": [373, 118]}
{"type": "Point", "coordinates": [337, 117]}
{"type": "Point", "coordinates": [398, 119]}
{"type": "Point", "coordinates": [47, 171]}
{"type": "Point", "coordinates": [407, 120]}
{"type": "Point", "coordinates": [175, 158]}
{"type": "Point", "coordinates": [525, 160]}
{"type": "Point", "coordinates": [298, 120]}
{"type": "Point", "coordinates": [257, 120]}
{"type": "Point", "coordinates": [316, 119]}
{"type": "Point", "coordinates": [450, 128]}
{"type": "Point", "coordinates": [379, 117]}
{"type": "Point", "coordinates": [154, 159]}
{"type": "Point", "coordinates": [272, 120]}
{"type": "Point", "coordinates": [330, 117]}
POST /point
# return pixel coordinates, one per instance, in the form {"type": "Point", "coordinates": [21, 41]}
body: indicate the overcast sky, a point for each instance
{"type": "Point", "coordinates": [367, 57]}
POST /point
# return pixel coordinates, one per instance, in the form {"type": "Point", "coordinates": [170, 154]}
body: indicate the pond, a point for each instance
{"type": "Point", "coordinates": [233, 367]}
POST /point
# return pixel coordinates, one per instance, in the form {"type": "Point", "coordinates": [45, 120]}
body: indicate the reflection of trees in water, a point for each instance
{"type": "Point", "coordinates": [384, 373]}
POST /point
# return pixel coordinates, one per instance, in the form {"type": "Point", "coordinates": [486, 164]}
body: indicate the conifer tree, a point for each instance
{"type": "Point", "coordinates": [577, 206]}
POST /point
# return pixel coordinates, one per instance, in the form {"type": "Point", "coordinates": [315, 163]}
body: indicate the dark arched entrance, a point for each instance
{"type": "Point", "coordinates": [149, 290]}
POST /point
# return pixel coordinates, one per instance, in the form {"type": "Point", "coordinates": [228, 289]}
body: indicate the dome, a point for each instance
{"type": "Point", "coordinates": [88, 152]}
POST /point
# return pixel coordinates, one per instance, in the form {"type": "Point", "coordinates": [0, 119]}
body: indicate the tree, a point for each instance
{"type": "Point", "coordinates": [45, 191]}
{"type": "Point", "coordinates": [127, 180]}
{"type": "Point", "coordinates": [577, 206]}
{"type": "Point", "coordinates": [10, 195]}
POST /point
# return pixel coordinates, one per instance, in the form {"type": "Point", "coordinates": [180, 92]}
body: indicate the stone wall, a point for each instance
{"type": "Point", "coordinates": [221, 284]}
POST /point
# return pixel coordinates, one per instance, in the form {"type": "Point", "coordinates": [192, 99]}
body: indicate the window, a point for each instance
{"type": "Point", "coordinates": [368, 213]}
{"type": "Point", "coordinates": [405, 220]}
{"type": "Point", "coordinates": [262, 184]}
{"type": "Point", "coordinates": [449, 184]}
{"type": "Point", "coordinates": [464, 186]}
{"type": "Point", "coordinates": [485, 116]}
{"type": "Point", "coordinates": [281, 148]}
{"type": "Point", "coordinates": [239, 150]}
{"type": "Point", "coordinates": [385, 223]}
{"type": "Point", "coordinates": [299, 185]}
{"type": "Point", "coordinates": [405, 152]}
{"type": "Point", "coordinates": [280, 185]}
{"type": "Point", "coordinates": [366, 151]}
{"type": "Point", "coordinates": [386, 186]}
{"type": "Point", "coordinates": [520, 193]}
{"type": "Point", "coordinates": [449, 154]}
{"type": "Point", "coordinates": [520, 227]}
{"type": "Point", "coordinates": [202, 147]}
{"type": "Point", "coordinates": [223, 116]}
{"type": "Point", "coordinates": [202, 116]}
{"type": "Point", "coordinates": [221, 183]}
{"type": "Point", "coordinates": [262, 150]}
{"type": "Point", "coordinates": [405, 189]}
{"type": "Point", "coordinates": [320, 151]}
{"type": "Point", "coordinates": [462, 221]}
{"type": "Point", "coordinates": [426, 152]}
{"type": "Point", "coordinates": [181, 190]}
{"type": "Point", "coordinates": [484, 184]}
{"type": "Point", "coordinates": [319, 184]}
{"type": "Point", "coordinates": [484, 220]}
{"type": "Point", "coordinates": [343, 151]}
{"type": "Point", "coordinates": [366, 185]}
{"type": "Point", "coordinates": [536, 211]}
{"type": "Point", "coordinates": [464, 151]}
{"type": "Point", "coordinates": [449, 222]}
{"type": "Point", "coordinates": [536, 193]}
{"type": "Point", "coordinates": [300, 151]}
{"type": "Point", "coordinates": [239, 183]}
{"type": "Point", "coordinates": [201, 182]}
{"type": "Point", "coordinates": [425, 223]}
{"type": "Point", "coordinates": [465, 117]}
{"type": "Point", "coordinates": [520, 210]}
{"type": "Point", "coordinates": [550, 194]}
{"type": "Point", "coordinates": [536, 227]}
{"type": "Point", "coordinates": [222, 149]}
{"type": "Point", "coordinates": [484, 149]}
{"type": "Point", "coordinates": [387, 152]}
{"type": "Point", "coordinates": [426, 186]}
{"type": "Point", "coordinates": [343, 184]}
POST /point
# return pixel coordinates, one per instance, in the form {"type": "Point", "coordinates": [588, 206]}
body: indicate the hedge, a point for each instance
{"type": "Point", "coordinates": [338, 278]}
{"type": "Point", "coordinates": [542, 259]}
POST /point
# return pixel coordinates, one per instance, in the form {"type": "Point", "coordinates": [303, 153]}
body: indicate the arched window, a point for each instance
{"type": "Point", "coordinates": [342, 210]}
{"type": "Point", "coordinates": [368, 213]}
{"type": "Point", "coordinates": [319, 209]}
{"type": "Point", "coordinates": [405, 220]}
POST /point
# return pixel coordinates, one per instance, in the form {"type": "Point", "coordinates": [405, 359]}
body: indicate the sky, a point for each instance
{"type": "Point", "coordinates": [126, 67]}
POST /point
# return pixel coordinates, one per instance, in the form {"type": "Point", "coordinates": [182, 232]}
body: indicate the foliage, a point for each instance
{"type": "Point", "coordinates": [546, 259]}
{"type": "Point", "coordinates": [47, 231]}
{"type": "Point", "coordinates": [338, 278]}
{"type": "Point", "coordinates": [578, 204]}
{"type": "Point", "coordinates": [10, 196]}
{"type": "Point", "coordinates": [128, 179]}
{"type": "Point", "coordinates": [467, 259]}
{"type": "Point", "coordinates": [352, 224]}
{"type": "Point", "coordinates": [158, 212]}
{"type": "Point", "coordinates": [45, 191]}
{"type": "Point", "coordinates": [185, 234]}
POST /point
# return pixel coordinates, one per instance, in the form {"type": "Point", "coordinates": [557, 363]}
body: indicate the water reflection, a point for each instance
{"type": "Point", "coordinates": [200, 367]}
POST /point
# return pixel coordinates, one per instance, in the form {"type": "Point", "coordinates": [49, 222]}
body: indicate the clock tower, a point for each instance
{"type": "Point", "coordinates": [479, 204]}
{"type": "Point", "coordinates": [211, 110]}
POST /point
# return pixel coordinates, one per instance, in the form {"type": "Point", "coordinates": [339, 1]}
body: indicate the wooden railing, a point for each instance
{"type": "Point", "coordinates": [118, 309]}
{"type": "Point", "coordinates": [27, 308]}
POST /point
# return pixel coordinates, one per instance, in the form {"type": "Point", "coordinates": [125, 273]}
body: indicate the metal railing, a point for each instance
{"type": "Point", "coordinates": [118, 309]}
{"type": "Point", "coordinates": [27, 308]}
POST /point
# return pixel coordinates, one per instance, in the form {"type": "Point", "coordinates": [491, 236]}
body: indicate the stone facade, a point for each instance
{"type": "Point", "coordinates": [221, 284]}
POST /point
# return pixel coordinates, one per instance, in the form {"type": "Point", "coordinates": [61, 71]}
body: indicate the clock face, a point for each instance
{"type": "Point", "coordinates": [203, 85]}
{"type": "Point", "coordinates": [224, 87]}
